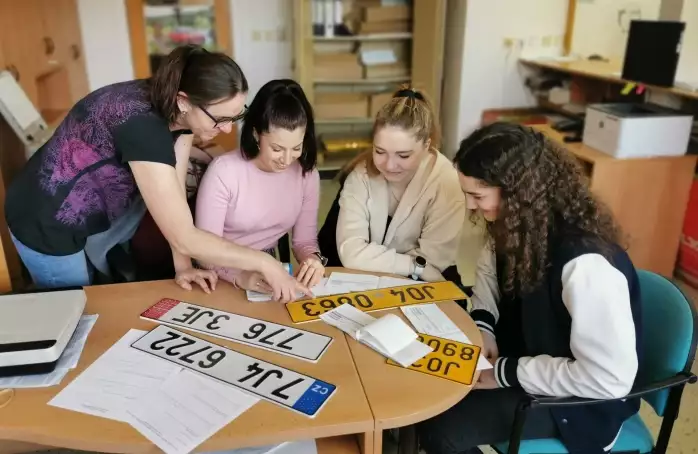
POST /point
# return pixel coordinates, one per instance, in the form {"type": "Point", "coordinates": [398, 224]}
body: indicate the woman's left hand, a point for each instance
{"type": "Point", "coordinates": [311, 272]}
{"type": "Point", "coordinates": [202, 277]}
{"type": "Point", "coordinates": [486, 380]}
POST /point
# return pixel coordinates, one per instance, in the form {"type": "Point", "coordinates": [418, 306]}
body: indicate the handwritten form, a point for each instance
{"type": "Point", "coordinates": [115, 381]}
{"type": "Point", "coordinates": [172, 407]}
{"type": "Point", "coordinates": [187, 410]}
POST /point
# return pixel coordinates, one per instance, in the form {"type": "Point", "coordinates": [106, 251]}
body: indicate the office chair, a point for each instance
{"type": "Point", "coordinates": [669, 336]}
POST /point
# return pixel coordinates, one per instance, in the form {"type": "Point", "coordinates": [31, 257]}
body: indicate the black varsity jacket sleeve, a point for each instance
{"type": "Point", "coordinates": [602, 339]}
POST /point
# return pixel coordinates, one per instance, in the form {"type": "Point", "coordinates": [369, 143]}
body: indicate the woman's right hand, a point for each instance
{"type": "Point", "coordinates": [253, 281]}
{"type": "Point", "coordinates": [489, 347]}
{"type": "Point", "coordinates": [284, 286]}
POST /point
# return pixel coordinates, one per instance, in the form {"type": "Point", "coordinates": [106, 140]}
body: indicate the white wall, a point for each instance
{"type": "Point", "coordinates": [601, 26]}
{"type": "Point", "coordinates": [688, 62]}
{"type": "Point", "coordinates": [105, 41]}
{"type": "Point", "coordinates": [490, 75]}
{"type": "Point", "coordinates": [262, 39]}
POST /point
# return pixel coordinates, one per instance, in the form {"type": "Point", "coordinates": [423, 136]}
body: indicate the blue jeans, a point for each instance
{"type": "Point", "coordinates": [53, 271]}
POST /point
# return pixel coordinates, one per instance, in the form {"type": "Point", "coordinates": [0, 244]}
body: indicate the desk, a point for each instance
{"type": "Point", "coordinates": [28, 419]}
{"type": "Point", "coordinates": [648, 197]}
{"type": "Point", "coordinates": [600, 70]}
{"type": "Point", "coordinates": [370, 395]}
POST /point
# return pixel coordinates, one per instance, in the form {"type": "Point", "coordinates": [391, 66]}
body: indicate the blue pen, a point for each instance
{"type": "Point", "coordinates": [288, 267]}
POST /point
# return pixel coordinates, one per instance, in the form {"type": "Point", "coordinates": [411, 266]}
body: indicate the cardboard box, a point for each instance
{"type": "Point", "coordinates": [384, 71]}
{"type": "Point", "coordinates": [377, 101]}
{"type": "Point", "coordinates": [393, 26]}
{"type": "Point", "coordinates": [337, 66]}
{"type": "Point", "coordinates": [386, 13]}
{"type": "Point", "coordinates": [330, 106]}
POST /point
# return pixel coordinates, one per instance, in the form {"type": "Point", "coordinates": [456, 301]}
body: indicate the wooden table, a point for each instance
{"type": "Point", "coordinates": [367, 402]}
{"type": "Point", "coordinates": [400, 397]}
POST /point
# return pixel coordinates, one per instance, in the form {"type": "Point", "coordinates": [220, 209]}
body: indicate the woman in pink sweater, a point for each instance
{"type": "Point", "coordinates": [255, 195]}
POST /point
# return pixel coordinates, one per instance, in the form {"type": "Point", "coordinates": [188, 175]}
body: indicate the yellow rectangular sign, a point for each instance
{"type": "Point", "coordinates": [373, 300]}
{"type": "Point", "coordinates": [451, 360]}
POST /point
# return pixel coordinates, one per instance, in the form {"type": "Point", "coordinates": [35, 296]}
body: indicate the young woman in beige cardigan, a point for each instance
{"type": "Point", "coordinates": [400, 209]}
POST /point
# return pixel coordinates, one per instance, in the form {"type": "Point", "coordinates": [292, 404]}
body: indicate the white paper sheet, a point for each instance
{"type": "Point", "coordinates": [68, 360]}
{"type": "Point", "coordinates": [430, 319]}
{"type": "Point", "coordinates": [354, 282]}
{"type": "Point", "coordinates": [116, 381]}
{"type": "Point", "coordinates": [387, 282]}
{"type": "Point", "coordinates": [378, 57]}
{"type": "Point", "coordinates": [186, 411]}
{"type": "Point", "coordinates": [322, 289]}
{"type": "Point", "coordinates": [358, 325]}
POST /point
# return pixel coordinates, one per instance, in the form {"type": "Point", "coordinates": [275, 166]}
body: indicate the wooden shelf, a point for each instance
{"type": "Point", "coordinates": [371, 37]}
{"type": "Point", "coordinates": [608, 71]}
{"type": "Point", "coordinates": [386, 80]}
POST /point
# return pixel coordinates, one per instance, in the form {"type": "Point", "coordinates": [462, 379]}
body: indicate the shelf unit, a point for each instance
{"type": "Point", "coordinates": [424, 61]}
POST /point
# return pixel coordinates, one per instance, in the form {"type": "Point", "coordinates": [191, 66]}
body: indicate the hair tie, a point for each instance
{"type": "Point", "coordinates": [408, 93]}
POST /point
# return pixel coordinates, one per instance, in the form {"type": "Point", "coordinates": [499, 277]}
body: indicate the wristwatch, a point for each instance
{"type": "Point", "coordinates": [419, 264]}
{"type": "Point", "coordinates": [322, 258]}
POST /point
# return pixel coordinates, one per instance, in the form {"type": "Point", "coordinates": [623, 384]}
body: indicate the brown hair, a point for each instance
{"type": "Point", "coordinates": [409, 109]}
{"type": "Point", "coordinates": [206, 77]}
{"type": "Point", "coordinates": [544, 198]}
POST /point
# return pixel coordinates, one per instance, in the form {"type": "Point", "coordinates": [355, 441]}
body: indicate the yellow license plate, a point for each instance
{"type": "Point", "coordinates": [451, 360]}
{"type": "Point", "coordinates": [373, 300]}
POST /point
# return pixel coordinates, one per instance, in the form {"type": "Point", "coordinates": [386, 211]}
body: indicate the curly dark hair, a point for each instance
{"type": "Point", "coordinates": [543, 194]}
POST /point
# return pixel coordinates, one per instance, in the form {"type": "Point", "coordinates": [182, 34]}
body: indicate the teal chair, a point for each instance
{"type": "Point", "coordinates": [669, 333]}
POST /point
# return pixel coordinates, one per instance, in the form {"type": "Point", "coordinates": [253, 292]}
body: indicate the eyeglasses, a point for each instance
{"type": "Point", "coordinates": [225, 121]}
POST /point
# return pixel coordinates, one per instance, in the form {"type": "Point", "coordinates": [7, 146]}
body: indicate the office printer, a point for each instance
{"type": "Point", "coordinates": [35, 329]}
{"type": "Point", "coordinates": [632, 130]}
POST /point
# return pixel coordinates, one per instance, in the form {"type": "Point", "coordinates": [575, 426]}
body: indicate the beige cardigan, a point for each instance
{"type": "Point", "coordinates": [427, 221]}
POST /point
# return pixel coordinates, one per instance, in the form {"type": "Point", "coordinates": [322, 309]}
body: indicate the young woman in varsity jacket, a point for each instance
{"type": "Point", "coordinates": [556, 297]}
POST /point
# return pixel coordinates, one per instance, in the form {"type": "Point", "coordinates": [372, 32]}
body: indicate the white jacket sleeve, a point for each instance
{"type": "Point", "coordinates": [353, 238]}
{"type": "Point", "coordinates": [486, 291]}
{"type": "Point", "coordinates": [602, 340]}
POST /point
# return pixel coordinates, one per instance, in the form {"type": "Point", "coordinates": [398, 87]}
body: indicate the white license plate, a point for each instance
{"type": "Point", "coordinates": [276, 384]}
{"type": "Point", "coordinates": [238, 328]}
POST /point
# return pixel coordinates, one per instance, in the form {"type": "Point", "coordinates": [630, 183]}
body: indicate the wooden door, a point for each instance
{"type": "Point", "coordinates": [428, 47]}
{"type": "Point", "coordinates": [22, 44]}
{"type": "Point", "coordinates": [62, 27]}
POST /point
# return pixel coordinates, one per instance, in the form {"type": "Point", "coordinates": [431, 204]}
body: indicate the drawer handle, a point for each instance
{"type": "Point", "coordinates": [49, 45]}
{"type": "Point", "coordinates": [14, 71]}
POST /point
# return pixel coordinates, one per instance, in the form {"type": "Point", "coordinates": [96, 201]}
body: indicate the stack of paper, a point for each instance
{"type": "Point", "coordinates": [339, 283]}
{"type": "Point", "coordinates": [68, 360]}
{"type": "Point", "coordinates": [430, 319]}
{"type": "Point", "coordinates": [174, 408]}
{"type": "Point", "coordinates": [388, 335]}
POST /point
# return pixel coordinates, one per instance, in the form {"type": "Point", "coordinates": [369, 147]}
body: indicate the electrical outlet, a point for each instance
{"type": "Point", "coordinates": [508, 43]}
{"type": "Point", "coordinates": [547, 41]}
{"type": "Point", "coordinates": [269, 35]}
{"type": "Point", "coordinates": [256, 35]}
